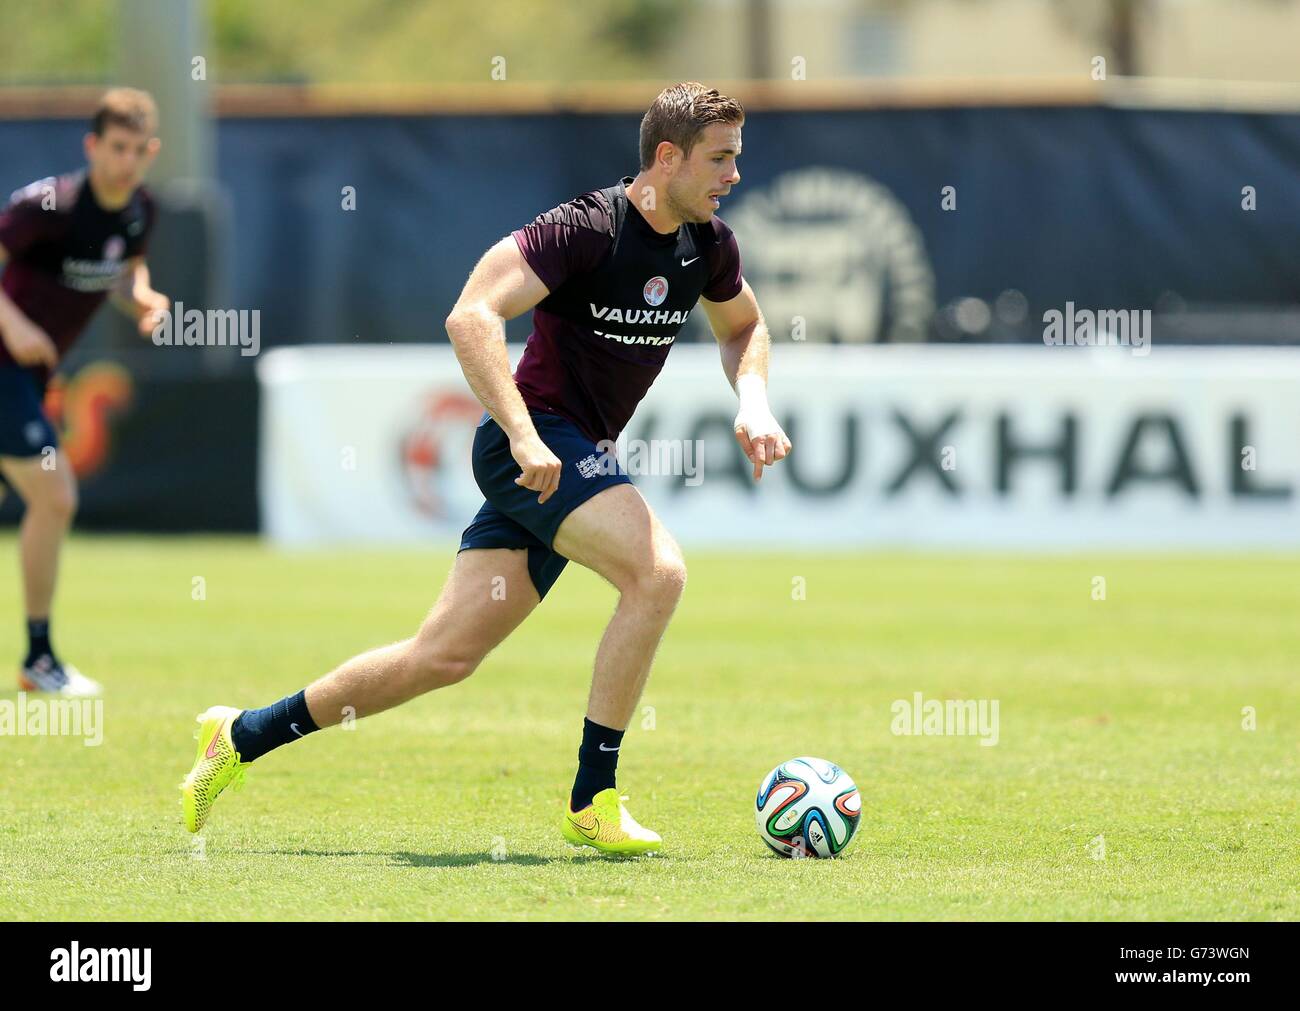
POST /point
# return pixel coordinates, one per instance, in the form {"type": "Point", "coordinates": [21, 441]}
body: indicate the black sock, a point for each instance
{"type": "Point", "coordinates": [38, 639]}
{"type": "Point", "coordinates": [597, 763]}
{"type": "Point", "coordinates": [257, 731]}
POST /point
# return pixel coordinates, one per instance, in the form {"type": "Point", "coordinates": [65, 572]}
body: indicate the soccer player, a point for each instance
{"type": "Point", "coordinates": [611, 277]}
{"type": "Point", "coordinates": [67, 244]}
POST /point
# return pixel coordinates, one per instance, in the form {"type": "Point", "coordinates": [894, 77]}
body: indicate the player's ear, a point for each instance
{"type": "Point", "coordinates": [152, 148]}
{"type": "Point", "coordinates": [89, 143]}
{"type": "Point", "coordinates": [666, 154]}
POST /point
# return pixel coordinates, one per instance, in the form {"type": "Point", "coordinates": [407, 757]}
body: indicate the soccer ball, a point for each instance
{"type": "Point", "coordinates": [808, 807]}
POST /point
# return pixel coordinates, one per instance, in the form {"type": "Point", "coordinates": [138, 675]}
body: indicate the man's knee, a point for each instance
{"type": "Point", "coordinates": [437, 664]}
{"type": "Point", "coordinates": [56, 499]}
{"type": "Point", "coordinates": [662, 577]}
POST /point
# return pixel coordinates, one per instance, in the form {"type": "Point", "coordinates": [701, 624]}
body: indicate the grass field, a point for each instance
{"type": "Point", "coordinates": [1119, 718]}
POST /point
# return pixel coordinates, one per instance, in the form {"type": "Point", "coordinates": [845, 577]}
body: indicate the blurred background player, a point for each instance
{"type": "Point", "coordinates": [66, 244]}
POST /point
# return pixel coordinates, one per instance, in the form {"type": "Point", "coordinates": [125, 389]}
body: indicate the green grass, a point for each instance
{"type": "Point", "coordinates": [1118, 718]}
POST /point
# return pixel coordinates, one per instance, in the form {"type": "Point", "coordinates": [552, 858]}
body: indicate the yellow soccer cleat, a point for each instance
{"type": "Point", "coordinates": [606, 825]}
{"type": "Point", "coordinates": [216, 765]}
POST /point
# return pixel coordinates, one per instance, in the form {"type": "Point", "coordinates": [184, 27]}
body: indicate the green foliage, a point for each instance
{"type": "Point", "coordinates": [366, 41]}
{"type": "Point", "coordinates": [58, 42]}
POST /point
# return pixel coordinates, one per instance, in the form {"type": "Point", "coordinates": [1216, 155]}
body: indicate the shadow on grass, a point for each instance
{"type": "Point", "coordinates": [404, 859]}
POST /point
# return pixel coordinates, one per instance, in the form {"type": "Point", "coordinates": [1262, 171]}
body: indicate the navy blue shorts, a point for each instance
{"type": "Point", "coordinates": [511, 517]}
{"type": "Point", "coordinates": [24, 428]}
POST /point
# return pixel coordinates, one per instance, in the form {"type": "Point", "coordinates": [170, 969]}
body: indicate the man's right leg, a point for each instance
{"type": "Point", "coordinates": [488, 594]}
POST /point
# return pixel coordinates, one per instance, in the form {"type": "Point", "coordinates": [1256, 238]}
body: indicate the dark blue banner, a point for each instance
{"type": "Point", "coordinates": [854, 225]}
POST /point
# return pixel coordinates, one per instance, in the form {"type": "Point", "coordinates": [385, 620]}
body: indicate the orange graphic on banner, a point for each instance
{"type": "Point", "coordinates": [82, 407]}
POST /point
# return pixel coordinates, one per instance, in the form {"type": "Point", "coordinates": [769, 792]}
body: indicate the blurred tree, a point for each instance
{"type": "Point", "coordinates": [415, 41]}
{"type": "Point", "coordinates": [365, 41]}
{"type": "Point", "coordinates": [644, 24]}
{"type": "Point", "coordinates": [242, 48]}
{"type": "Point", "coordinates": [57, 42]}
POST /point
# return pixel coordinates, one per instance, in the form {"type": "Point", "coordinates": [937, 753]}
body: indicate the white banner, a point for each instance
{"type": "Point", "coordinates": [979, 446]}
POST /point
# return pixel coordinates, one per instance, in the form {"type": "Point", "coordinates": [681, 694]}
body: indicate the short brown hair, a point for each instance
{"type": "Point", "coordinates": [681, 113]}
{"type": "Point", "coordinates": [127, 107]}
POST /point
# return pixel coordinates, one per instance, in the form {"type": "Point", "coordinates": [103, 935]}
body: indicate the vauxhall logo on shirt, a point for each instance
{"type": "Point", "coordinates": [655, 291]}
{"type": "Point", "coordinates": [96, 275]}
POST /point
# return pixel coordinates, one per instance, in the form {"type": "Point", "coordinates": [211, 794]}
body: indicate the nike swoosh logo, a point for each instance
{"type": "Point", "coordinates": [603, 748]}
{"type": "Point", "coordinates": [294, 728]}
{"type": "Point", "coordinates": [212, 745]}
{"type": "Point", "coordinates": [687, 263]}
{"type": "Point", "coordinates": [590, 835]}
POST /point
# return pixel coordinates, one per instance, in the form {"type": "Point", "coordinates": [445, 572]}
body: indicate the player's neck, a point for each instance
{"type": "Point", "coordinates": [645, 190]}
{"type": "Point", "coordinates": [108, 198]}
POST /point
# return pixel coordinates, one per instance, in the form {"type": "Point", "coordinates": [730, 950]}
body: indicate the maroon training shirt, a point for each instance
{"type": "Point", "coordinates": [66, 253]}
{"type": "Point", "coordinates": [619, 295]}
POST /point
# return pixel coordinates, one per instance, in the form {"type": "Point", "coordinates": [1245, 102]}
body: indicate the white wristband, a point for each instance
{"type": "Point", "coordinates": [752, 390]}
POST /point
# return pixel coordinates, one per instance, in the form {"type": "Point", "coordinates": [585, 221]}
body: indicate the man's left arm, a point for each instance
{"type": "Point", "coordinates": [134, 296]}
{"type": "Point", "coordinates": [743, 342]}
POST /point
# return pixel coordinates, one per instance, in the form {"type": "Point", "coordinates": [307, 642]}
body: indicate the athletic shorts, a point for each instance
{"type": "Point", "coordinates": [24, 428]}
{"type": "Point", "coordinates": [511, 516]}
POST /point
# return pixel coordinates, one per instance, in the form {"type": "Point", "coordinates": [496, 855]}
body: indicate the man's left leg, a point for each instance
{"type": "Point", "coordinates": [616, 534]}
{"type": "Point", "coordinates": [49, 492]}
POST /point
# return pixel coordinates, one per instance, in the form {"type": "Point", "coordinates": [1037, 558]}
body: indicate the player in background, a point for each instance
{"type": "Point", "coordinates": [611, 277]}
{"type": "Point", "coordinates": [66, 244]}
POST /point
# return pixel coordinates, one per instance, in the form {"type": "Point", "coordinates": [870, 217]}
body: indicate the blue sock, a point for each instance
{"type": "Point", "coordinates": [597, 763]}
{"type": "Point", "coordinates": [257, 731]}
{"type": "Point", "coordinates": [38, 640]}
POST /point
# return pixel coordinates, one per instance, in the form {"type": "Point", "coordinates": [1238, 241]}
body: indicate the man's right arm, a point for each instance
{"type": "Point", "coordinates": [501, 287]}
{"type": "Point", "coordinates": [27, 343]}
